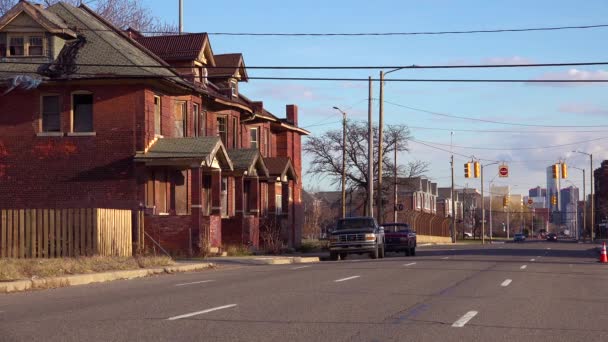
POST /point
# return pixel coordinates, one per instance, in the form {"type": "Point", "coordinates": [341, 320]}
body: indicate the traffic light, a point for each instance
{"type": "Point", "coordinates": [477, 169]}
{"type": "Point", "coordinates": [555, 169]}
{"type": "Point", "coordinates": [505, 201]}
{"type": "Point", "coordinates": [554, 200]}
{"type": "Point", "coordinates": [564, 170]}
{"type": "Point", "coordinates": [467, 170]}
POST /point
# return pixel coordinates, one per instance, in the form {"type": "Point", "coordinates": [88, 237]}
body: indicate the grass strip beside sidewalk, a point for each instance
{"type": "Point", "coordinates": [20, 269]}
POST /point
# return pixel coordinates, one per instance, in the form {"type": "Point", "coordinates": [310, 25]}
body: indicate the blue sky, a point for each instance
{"type": "Point", "coordinates": [526, 103]}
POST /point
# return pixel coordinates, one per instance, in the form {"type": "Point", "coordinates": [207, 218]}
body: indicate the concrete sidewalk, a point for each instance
{"type": "Point", "coordinates": [83, 279]}
{"type": "Point", "coordinates": [270, 260]}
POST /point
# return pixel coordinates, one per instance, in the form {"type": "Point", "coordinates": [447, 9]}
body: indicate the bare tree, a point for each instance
{"type": "Point", "coordinates": [326, 153]}
{"type": "Point", "coordinates": [122, 13]}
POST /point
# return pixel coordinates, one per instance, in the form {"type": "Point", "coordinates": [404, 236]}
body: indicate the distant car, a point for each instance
{"type": "Point", "coordinates": [551, 237]}
{"type": "Point", "coordinates": [400, 237]}
{"type": "Point", "coordinates": [357, 235]}
{"type": "Point", "coordinates": [468, 235]}
{"type": "Point", "coordinates": [519, 237]}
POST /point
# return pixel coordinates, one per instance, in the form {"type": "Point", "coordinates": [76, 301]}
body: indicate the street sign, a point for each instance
{"type": "Point", "coordinates": [530, 201]}
{"type": "Point", "coordinates": [503, 171]}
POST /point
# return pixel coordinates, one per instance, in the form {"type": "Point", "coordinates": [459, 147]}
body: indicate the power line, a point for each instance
{"type": "Point", "coordinates": [504, 131]}
{"type": "Point", "coordinates": [339, 67]}
{"type": "Point", "coordinates": [431, 80]}
{"type": "Point", "coordinates": [516, 148]}
{"type": "Point", "coordinates": [360, 34]}
{"type": "Point", "coordinates": [491, 121]}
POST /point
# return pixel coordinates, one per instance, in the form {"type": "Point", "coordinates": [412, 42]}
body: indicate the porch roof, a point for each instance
{"type": "Point", "coordinates": [248, 160]}
{"type": "Point", "coordinates": [281, 167]}
{"type": "Point", "coordinates": [187, 151]}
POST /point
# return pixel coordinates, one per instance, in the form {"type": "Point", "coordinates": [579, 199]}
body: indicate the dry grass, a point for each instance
{"type": "Point", "coordinates": [18, 269]}
{"type": "Point", "coordinates": [238, 250]}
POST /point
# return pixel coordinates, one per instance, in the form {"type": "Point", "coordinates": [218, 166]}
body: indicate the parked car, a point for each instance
{"type": "Point", "coordinates": [551, 237]}
{"type": "Point", "coordinates": [467, 235]}
{"type": "Point", "coordinates": [356, 235]}
{"type": "Point", "coordinates": [519, 237]}
{"type": "Point", "coordinates": [400, 237]}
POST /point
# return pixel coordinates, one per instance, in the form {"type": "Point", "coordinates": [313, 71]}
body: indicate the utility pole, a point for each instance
{"type": "Point", "coordinates": [453, 232]}
{"type": "Point", "coordinates": [181, 16]}
{"type": "Point", "coordinates": [370, 157]}
{"type": "Point", "coordinates": [483, 212]}
{"type": "Point", "coordinates": [343, 161]}
{"type": "Point", "coordinates": [380, 149]}
{"type": "Point", "coordinates": [395, 186]}
{"type": "Point", "coordinates": [592, 176]}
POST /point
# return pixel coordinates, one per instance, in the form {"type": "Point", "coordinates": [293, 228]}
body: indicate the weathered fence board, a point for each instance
{"type": "Point", "coordinates": [53, 233]}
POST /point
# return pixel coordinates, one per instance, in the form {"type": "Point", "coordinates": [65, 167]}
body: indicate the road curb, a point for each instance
{"type": "Point", "coordinates": [84, 279]}
{"type": "Point", "coordinates": [273, 260]}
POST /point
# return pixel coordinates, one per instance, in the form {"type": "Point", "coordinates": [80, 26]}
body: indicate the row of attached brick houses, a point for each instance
{"type": "Point", "coordinates": [96, 117]}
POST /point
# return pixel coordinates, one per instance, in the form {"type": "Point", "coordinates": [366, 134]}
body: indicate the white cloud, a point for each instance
{"type": "Point", "coordinates": [582, 108]}
{"type": "Point", "coordinates": [572, 74]}
{"type": "Point", "coordinates": [507, 60]}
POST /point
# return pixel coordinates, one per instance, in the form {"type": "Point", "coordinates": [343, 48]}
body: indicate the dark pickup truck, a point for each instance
{"type": "Point", "coordinates": [400, 237]}
{"type": "Point", "coordinates": [356, 235]}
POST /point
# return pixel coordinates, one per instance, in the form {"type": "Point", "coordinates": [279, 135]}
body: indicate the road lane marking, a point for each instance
{"type": "Point", "coordinates": [345, 279]}
{"type": "Point", "coordinates": [300, 267]}
{"type": "Point", "coordinates": [445, 258]}
{"type": "Point", "coordinates": [506, 283]}
{"type": "Point", "coordinates": [464, 319]}
{"type": "Point", "coordinates": [201, 312]}
{"type": "Point", "coordinates": [410, 264]}
{"type": "Point", "coordinates": [523, 267]}
{"type": "Point", "coordinates": [532, 259]}
{"type": "Point", "coordinates": [195, 282]}
{"type": "Point", "coordinates": [548, 247]}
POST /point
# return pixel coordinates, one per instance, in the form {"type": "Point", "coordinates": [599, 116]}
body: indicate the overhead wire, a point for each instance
{"type": "Point", "coordinates": [515, 148]}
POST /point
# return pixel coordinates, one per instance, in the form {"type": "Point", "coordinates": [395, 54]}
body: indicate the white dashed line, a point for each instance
{"type": "Point", "coordinates": [532, 259]}
{"type": "Point", "coordinates": [345, 279]}
{"type": "Point", "coordinates": [300, 267]}
{"type": "Point", "coordinates": [195, 282]}
{"type": "Point", "coordinates": [464, 319]}
{"type": "Point", "coordinates": [445, 258]}
{"type": "Point", "coordinates": [506, 283]}
{"type": "Point", "coordinates": [548, 247]}
{"type": "Point", "coordinates": [523, 267]}
{"type": "Point", "coordinates": [410, 264]}
{"type": "Point", "coordinates": [201, 312]}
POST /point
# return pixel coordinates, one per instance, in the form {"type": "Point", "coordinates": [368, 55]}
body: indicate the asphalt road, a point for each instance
{"type": "Point", "coordinates": [527, 292]}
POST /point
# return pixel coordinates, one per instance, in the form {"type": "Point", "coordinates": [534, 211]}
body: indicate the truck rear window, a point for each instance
{"type": "Point", "coordinates": [355, 224]}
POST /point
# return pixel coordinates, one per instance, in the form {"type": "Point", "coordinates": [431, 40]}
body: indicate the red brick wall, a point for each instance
{"type": "Point", "coordinates": [244, 230]}
{"type": "Point", "coordinates": [82, 171]}
{"type": "Point", "coordinates": [171, 232]}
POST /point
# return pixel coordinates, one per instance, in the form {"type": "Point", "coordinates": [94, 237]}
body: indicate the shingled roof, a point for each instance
{"type": "Point", "coordinates": [249, 160]}
{"type": "Point", "coordinates": [176, 47]}
{"type": "Point", "coordinates": [281, 167]}
{"type": "Point", "coordinates": [205, 151]}
{"type": "Point", "coordinates": [50, 21]}
{"type": "Point", "coordinates": [228, 66]}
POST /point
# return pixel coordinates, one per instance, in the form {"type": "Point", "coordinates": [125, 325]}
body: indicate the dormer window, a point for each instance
{"type": "Point", "coordinates": [234, 88]}
{"type": "Point", "coordinates": [23, 45]}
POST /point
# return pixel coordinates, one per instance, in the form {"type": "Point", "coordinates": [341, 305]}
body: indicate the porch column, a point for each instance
{"type": "Point", "coordinates": [239, 196]}
{"type": "Point", "coordinates": [216, 192]}
{"type": "Point", "coordinates": [195, 208]}
{"type": "Point", "coordinates": [285, 197]}
{"type": "Point", "coordinates": [254, 196]}
{"type": "Point", "coordinates": [272, 192]}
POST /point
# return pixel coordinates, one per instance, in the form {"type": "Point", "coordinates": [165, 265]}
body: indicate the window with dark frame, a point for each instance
{"type": "Point", "coordinates": [235, 133]}
{"type": "Point", "coordinates": [51, 114]}
{"type": "Point", "coordinates": [35, 47]}
{"type": "Point", "coordinates": [157, 114]}
{"type": "Point", "coordinates": [82, 113]}
{"type": "Point", "coordinates": [203, 123]}
{"type": "Point", "coordinates": [224, 196]}
{"type": "Point", "coordinates": [196, 117]}
{"type": "Point", "coordinates": [16, 46]}
{"type": "Point", "coordinates": [254, 138]}
{"type": "Point", "coordinates": [234, 88]}
{"type": "Point", "coordinates": [221, 129]}
{"type": "Point", "coordinates": [181, 119]}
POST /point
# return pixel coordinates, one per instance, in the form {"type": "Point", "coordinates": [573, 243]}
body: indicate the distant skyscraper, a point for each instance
{"type": "Point", "coordinates": [568, 207]}
{"type": "Point", "coordinates": [537, 192]}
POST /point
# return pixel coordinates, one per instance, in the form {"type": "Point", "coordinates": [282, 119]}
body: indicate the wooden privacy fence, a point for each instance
{"type": "Point", "coordinates": [54, 233]}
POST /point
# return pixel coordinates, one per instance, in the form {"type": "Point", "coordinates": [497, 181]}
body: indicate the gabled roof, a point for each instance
{"type": "Point", "coordinates": [248, 160]}
{"type": "Point", "coordinates": [281, 167]}
{"type": "Point", "coordinates": [229, 65]}
{"type": "Point", "coordinates": [185, 47]}
{"type": "Point", "coordinates": [50, 21]}
{"type": "Point", "coordinates": [189, 151]}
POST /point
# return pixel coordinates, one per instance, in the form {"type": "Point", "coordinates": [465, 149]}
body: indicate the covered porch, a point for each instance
{"type": "Point", "coordinates": [280, 188]}
{"type": "Point", "coordinates": [181, 185]}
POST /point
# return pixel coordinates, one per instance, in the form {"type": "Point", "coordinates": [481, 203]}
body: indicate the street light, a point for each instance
{"type": "Point", "coordinates": [483, 207]}
{"type": "Point", "coordinates": [591, 184]}
{"type": "Point", "coordinates": [380, 141]}
{"type": "Point", "coordinates": [343, 161]}
{"type": "Point", "coordinates": [584, 201]}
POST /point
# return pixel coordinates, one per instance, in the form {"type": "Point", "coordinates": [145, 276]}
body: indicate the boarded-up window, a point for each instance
{"type": "Point", "coordinates": [82, 112]}
{"type": "Point", "coordinates": [16, 46]}
{"type": "Point", "coordinates": [181, 115]}
{"type": "Point", "coordinates": [157, 114]}
{"type": "Point", "coordinates": [150, 190]}
{"type": "Point", "coordinates": [35, 47]}
{"type": "Point", "coordinates": [180, 192]}
{"type": "Point", "coordinates": [224, 196]}
{"type": "Point", "coordinates": [51, 114]}
{"type": "Point", "coordinates": [278, 200]}
{"type": "Point", "coordinates": [206, 195]}
{"type": "Point", "coordinates": [196, 117]}
{"type": "Point", "coordinates": [267, 142]}
{"type": "Point", "coordinates": [160, 191]}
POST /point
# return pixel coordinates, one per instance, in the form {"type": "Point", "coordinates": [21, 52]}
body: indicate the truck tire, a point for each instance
{"type": "Point", "coordinates": [333, 256]}
{"type": "Point", "coordinates": [408, 251]}
{"type": "Point", "coordinates": [374, 254]}
{"type": "Point", "coordinates": [413, 251]}
{"type": "Point", "coordinates": [381, 254]}
{"type": "Point", "coordinates": [343, 256]}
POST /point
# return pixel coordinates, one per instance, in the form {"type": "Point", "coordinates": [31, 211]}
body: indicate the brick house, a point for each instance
{"type": "Point", "coordinates": [93, 116]}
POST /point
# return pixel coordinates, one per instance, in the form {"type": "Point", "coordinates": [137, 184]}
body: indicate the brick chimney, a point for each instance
{"type": "Point", "coordinates": [292, 114]}
{"type": "Point", "coordinates": [258, 106]}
